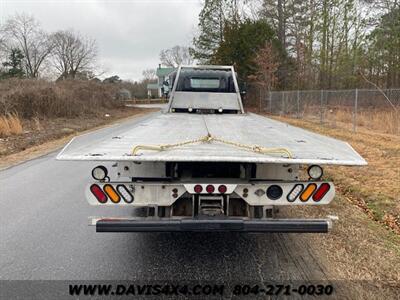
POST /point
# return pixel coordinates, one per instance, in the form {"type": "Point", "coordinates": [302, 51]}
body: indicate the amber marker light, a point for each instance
{"type": "Point", "coordinates": [112, 193]}
{"type": "Point", "coordinates": [308, 192]}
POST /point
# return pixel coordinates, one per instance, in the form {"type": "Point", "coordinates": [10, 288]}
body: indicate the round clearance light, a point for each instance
{"type": "Point", "coordinates": [274, 192]}
{"type": "Point", "coordinates": [99, 173]}
{"type": "Point", "coordinates": [198, 188]}
{"type": "Point", "coordinates": [210, 189]}
{"type": "Point", "coordinates": [222, 189]}
{"type": "Point", "coordinates": [315, 172]}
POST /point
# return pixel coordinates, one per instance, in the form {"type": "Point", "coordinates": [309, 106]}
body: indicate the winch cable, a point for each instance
{"type": "Point", "coordinates": [210, 138]}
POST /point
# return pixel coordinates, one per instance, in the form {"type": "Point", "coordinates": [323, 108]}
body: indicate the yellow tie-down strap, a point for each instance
{"type": "Point", "coordinates": [209, 139]}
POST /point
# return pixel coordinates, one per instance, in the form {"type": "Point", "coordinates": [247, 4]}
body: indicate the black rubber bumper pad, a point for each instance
{"type": "Point", "coordinates": [212, 225]}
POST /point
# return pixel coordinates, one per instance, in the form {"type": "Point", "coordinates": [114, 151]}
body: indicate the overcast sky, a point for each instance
{"type": "Point", "coordinates": [130, 33]}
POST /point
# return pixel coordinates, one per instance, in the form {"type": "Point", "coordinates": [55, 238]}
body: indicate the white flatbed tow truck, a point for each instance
{"type": "Point", "coordinates": [204, 164]}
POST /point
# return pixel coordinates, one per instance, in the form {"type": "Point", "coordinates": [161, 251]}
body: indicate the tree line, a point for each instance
{"type": "Point", "coordinates": [312, 44]}
{"type": "Point", "coordinates": [26, 50]}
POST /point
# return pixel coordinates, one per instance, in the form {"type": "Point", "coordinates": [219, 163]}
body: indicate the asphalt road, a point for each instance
{"type": "Point", "coordinates": [44, 235]}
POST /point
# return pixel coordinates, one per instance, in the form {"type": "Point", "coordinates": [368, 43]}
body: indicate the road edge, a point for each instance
{"type": "Point", "coordinates": [51, 146]}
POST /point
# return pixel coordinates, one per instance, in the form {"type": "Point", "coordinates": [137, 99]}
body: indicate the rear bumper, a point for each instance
{"type": "Point", "coordinates": [213, 225]}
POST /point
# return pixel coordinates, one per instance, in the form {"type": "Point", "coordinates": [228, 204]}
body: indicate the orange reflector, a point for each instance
{"type": "Point", "coordinates": [111, 193]}
{"type": "Point", "coordinates": [308, 192]}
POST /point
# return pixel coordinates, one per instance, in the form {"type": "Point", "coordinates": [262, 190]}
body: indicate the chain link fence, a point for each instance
{"type": "Point", "coordinates": [337, 108]}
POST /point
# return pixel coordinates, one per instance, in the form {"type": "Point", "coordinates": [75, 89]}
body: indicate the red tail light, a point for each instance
{"type": "Point", "coordinates": [98, 193]}
{"type": "Point", "coordinates": [198, 188]}
{"type": "Point", "coordinates": [210, 189]}
{"type": "Point", "coordinates": [222, 189]}
{"type": "Point", "coordinates": [321, 192]}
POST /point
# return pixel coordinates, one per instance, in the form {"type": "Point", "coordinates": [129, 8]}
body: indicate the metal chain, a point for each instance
{"type": "Point", "coordinates": [256, 148]}
{"type": "Point", "coordinates": [210, 138]}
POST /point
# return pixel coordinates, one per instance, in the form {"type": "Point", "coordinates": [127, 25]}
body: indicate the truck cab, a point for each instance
{"type": "Point", "coordinates": [205, 90]}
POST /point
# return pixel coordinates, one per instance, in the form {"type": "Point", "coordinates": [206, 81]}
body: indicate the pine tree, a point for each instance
{"type": "Point", "coordinates": [212, 20]}
{"type": "Point", "coordinates": [14, 64]}
{"type": "Point", "coordinates": [242, 42]}
{"type": "Point", "coordinates": [384, 50]}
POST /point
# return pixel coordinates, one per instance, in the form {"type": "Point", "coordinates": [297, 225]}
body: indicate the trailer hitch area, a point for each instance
{"type": "Point", "coordinates": [211, 205]}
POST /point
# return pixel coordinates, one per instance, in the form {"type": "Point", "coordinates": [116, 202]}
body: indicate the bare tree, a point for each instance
{"type": "Point", "coordinates": [23, 32]}
{"type": "Point", "coordinates": [2, 49]}
{"type": "Point", "coordinates": [73, 54]}
{"type": "Point", "coordinates": [149, 74]}
{"type": "Point", "coordinates": [3, 45]}
{"type": "Point", "coordinates": [267, 66]}
{"type": "Point", "coordinates": [175, 56]}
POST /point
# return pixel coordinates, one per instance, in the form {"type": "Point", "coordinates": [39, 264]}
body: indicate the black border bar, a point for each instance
{"type": "Point", "coordinates": [212, 225]}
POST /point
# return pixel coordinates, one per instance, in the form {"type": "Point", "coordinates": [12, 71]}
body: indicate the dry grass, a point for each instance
{"type": "Point", "coordinates": [356, 251]}
{"type": "Point", "coordinates": [377, 119]}
{"type": "Point", "coordinates": [22, 99]}
{"type": "Point", "coordinates": [4, 126]}
{"type": "Point", "coordinates": [15, 124]}
{"type": "Point", "coordinates": [10, 124]}
{"type": "Point", "coordinates": [39, 98]}
{"type": "Point", "coordinates": [38, 126]}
